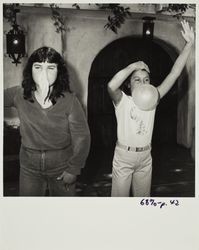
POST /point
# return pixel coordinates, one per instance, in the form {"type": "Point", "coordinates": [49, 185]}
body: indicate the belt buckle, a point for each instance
{"type": "Point", "coordinates": [139, 149]}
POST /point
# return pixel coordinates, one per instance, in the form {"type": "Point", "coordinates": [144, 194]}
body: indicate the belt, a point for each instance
{"type": "Point", "coordinates": [134, 149]}
{"type": "Point", "coordinates": [41, 150]}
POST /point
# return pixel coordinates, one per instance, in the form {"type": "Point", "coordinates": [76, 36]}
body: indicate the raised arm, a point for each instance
{"type": "Point", "coordinates": [115, 83]}
{"type": "Point", "coordinates": [188, 35]}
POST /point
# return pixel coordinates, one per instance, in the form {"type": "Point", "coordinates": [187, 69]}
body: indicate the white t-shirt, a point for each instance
{"type": "Point", "coordinates": [134, 126]}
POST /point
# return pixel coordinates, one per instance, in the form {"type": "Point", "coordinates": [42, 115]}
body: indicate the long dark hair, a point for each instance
{"type": "Point", "coordinates": [61, 84]}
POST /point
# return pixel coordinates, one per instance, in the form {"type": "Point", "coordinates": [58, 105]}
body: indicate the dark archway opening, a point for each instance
{"type": "Point", "coordinates": [101, 116]}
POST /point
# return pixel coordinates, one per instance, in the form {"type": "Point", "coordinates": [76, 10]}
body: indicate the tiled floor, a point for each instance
{"type": "Point", "coordinates": [173, 176]}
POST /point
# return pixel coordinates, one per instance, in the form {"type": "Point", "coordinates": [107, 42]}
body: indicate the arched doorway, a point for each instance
{"type": "Point", "coordinates": [101, 116]}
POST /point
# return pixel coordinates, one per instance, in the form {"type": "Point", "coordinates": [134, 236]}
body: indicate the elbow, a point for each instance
{"type": "Point", "coordinates": [81, 143]}
{"type": "Point", "coordinates": [86, 140]}
{"type": "Point", "coordinates": [110, 88]}
{"type": "Point", "coordinates": [85, 145]}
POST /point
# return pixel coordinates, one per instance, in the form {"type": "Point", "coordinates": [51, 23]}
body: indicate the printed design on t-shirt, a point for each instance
{"type": "Point", "coordinates": [141, 127]}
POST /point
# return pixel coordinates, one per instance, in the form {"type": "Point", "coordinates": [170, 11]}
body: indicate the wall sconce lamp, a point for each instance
{"type": "Point", "coordinates": [148, 27]}
{"type": "Point", "coordinates": [15, 41]}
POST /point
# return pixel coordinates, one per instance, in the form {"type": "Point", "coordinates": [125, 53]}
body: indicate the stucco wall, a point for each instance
{"type": "Point", "coordinates": [83, 40]}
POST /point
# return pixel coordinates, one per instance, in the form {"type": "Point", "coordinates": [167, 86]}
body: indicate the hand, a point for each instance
{"type": "Point", "coordinates": [187, 32]}
{"type": "Point", "coordinates": [140, 65]}
{"type": "Point", "coordinates": [13, 122]}
{"type": "Point", "coordinates": [67, 178]}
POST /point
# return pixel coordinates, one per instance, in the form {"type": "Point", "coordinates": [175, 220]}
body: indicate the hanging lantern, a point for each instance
{"type": "Point", "coordinates": [15, 41]}
{"type": "Point", "coordinates": [148, 27]}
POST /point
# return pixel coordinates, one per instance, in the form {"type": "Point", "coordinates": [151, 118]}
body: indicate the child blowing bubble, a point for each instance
{"type": "Point", "coordinates": [132, 161]}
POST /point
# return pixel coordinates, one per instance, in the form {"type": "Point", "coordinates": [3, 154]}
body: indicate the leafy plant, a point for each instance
{"type": "Point", "coordinates": [178, 9]}
{"type": "Point", "coordinates": [118, 18]}
{"type": "Point", "coordinates": [76, 6]}
{"type": "Point", "coordinates": [119, 14]}
{"type": "Point", "coordinates": [9, 12]}
{"type": "Point", "coordinates": [57, 18]}
{"type": "Point", "coordinates": [115, 20]}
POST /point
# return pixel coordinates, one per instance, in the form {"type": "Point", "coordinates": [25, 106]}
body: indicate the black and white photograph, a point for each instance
{"type": "Point", "coordinates": [99, 115]}
{"type": "Point", "coordinates": [75, 123]}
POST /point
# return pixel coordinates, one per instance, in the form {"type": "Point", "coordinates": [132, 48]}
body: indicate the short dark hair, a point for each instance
{"type": "Point", "coordinates": [125, 86]}
{"type": "Point", "coordinates": [61, 84]}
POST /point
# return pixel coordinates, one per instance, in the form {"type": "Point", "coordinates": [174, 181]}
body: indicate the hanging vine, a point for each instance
{"type": "Point", "coordinates": [58, 19]}
{"type": "Point", "coordinates": [177, 9]}
{"type": "Point", "coordinates": [9, 12]}
{"type": "Point", "coordinates": [120, 14]}
{"type": "Point", "coordinates": [59, 23]}
{"type": "Point", "coordinates": [118, 17]}
{"type": "Point", "coordinates": [114, 21]}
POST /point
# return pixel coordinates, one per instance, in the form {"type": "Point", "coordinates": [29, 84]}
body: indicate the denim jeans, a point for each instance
{"type": "Point", "coordinates": [39, 170]}
{"type": "Point", "coordinates": [131, 171]}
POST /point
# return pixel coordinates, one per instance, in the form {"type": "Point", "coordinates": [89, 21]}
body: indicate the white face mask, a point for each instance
{"type": "Point", "coordinates": [44, 75]}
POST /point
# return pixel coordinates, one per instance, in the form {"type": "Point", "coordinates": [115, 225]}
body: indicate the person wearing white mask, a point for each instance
{"type": "Point", "coordinates": [55, 137]}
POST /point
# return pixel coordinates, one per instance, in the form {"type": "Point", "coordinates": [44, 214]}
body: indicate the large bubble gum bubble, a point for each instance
{"type": "Point", "coordinates": [146, 97]}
